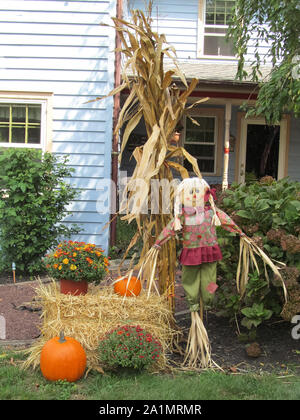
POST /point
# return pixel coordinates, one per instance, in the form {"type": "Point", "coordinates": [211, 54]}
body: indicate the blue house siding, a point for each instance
{"type": "Point", "coordinates": [59, 47]}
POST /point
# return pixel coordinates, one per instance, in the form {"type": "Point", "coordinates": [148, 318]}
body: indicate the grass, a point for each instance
{"type": "Point", "coordinates": [16, 384]}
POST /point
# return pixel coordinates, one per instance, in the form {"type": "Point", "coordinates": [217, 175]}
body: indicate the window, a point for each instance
{"type": "Point", "coordinates": [25, 120]}
{"type": "Point", "coordinates": [20, 123]}
{"type": "Point", "coordinates": [204, 141]}
{"type": "Point", "coordinates": [214, 16]}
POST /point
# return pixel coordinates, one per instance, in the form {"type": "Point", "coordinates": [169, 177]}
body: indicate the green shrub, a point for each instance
{"type": "Point", "coordinates": [33, 196]}
{"type": "Point", "coordinates": [269, 212]}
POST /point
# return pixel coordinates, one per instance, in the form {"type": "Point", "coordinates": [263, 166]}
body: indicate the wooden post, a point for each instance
{"type": "Point", "coordinates": [226, 145]}
{"type": "Point", "coordinates": [115, 142]}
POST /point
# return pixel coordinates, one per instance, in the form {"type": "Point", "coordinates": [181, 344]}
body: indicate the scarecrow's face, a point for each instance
{"type": "Point", "coordinates": [194, 196]}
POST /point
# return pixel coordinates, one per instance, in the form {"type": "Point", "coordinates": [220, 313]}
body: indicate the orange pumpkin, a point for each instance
{"type": "Point", "coordinates": [132, 287]}
{"type": "Point", "coordinates": [62, 358]}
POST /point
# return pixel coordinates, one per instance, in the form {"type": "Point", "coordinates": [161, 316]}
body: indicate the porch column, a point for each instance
{"type": "Point", "coordinates": [226, 145]}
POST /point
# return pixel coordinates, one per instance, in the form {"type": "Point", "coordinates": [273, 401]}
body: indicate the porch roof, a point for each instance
{"type": "Point", "coordinates": [217, 72]}
{"type": "Point", "coordinates": [213, 73]}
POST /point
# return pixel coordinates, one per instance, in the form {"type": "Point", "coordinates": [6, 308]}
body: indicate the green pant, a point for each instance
{"type": "Point", "coordinates": [195, 279]}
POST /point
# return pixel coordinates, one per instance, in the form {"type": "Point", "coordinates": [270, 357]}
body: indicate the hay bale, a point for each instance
{"type": "Point", "coordinates": [88, 317]}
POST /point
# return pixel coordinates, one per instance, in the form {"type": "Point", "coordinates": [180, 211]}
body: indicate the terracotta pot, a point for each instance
{"type": "Point", "coordinates": [73, 287]}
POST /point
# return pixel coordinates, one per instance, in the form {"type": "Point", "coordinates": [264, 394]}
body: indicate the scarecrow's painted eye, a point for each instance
{"type": "Point", "coordinates": [197, 191]}
{"type": "Point", "coordinates": [191, 192]}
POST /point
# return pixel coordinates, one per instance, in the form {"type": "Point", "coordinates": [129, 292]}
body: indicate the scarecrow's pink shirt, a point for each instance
{"type": "Point", "coordinates": [200, 243]}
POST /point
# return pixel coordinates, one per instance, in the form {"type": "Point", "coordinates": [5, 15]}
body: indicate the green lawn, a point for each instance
{"type": "Point", "coordinates": [16, 384]}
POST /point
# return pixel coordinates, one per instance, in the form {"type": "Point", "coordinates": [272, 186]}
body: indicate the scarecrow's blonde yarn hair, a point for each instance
{"type": "Point", "coordinates": [200, 184]}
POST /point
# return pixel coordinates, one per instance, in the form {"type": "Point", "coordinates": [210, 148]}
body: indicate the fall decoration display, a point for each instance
{"type": "Point", "coordinates": [155, 97]}
{"type": "Point", "coordinates": [129, 346]}
{"type": "Point", "coordinates": [62, 358]}
{"type": "Point", "coordinates": [76, 262]}
{"type": "Point", "coordinates": [128, 286]}
{"type": "Point", "coordinates": [87, 318]}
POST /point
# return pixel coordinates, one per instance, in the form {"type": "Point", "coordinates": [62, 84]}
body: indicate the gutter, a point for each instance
{"type": "Point", "coordinates": [115, 139]}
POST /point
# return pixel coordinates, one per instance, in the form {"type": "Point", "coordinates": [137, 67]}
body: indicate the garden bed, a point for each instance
{"type": "Point", "coordinates": [279, 349]}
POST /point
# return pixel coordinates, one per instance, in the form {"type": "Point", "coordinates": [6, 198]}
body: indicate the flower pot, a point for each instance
{"type": "Point", "coordinates": [73, 287]}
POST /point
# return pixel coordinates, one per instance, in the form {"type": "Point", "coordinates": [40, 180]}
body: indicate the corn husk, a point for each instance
{"type": "Point", "coordinates": [248, 250]}
{"type": "Point", "coordinates": [88, 317]}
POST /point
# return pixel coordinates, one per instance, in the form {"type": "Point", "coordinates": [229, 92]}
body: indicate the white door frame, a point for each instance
{"type": "Point", "coordinates": [283, 142]}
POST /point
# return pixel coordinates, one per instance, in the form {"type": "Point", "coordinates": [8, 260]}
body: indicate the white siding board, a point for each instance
{"type": "Point", "coordinates": [99, 76]}
{"type": "Point", "coordinates": [52, 17]}
{"type": "Point", "coordinates": [79, 148]}
{"type": "Point", "coordinates": [74, 125]}
{"type": "Point", "coordinates": [54, 6]}
{"type": "Point", "coordinates": [83, 88]}
{"type": "Point", "coordinates": [59, 40]}
{"type": "Point", "coordinates": [54, 28]}
{"type": "Point", "coordinates": [98, 137]}
{"type": "Point", "coordinates": [88, 171]}
{"type": "Point", "coordinates": [80, 114]}
{"type": "Point", "coordinates": [86, 160]}
{"type": "Point", "coordinates": [86, 183]}
{"type": "Point", "coordinates": [54, 51]}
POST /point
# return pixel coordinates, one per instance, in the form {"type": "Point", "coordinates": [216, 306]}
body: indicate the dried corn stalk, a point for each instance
{"type": "Point", "coordinates": [153, 96]}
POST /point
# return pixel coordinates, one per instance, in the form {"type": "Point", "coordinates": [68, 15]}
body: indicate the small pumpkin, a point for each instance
{"type": "Point", "coordinates": [126, 287]}
{"type": "Point", "coordinates": [63, 358]}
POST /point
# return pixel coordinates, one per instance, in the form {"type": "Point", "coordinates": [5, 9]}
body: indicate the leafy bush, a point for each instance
{"type": "Point", "coordinates": [129, 346]}
{"type": "Point", "coordinates": [33, 196]}
{"type": "Point", "coordinates": [269, 212]}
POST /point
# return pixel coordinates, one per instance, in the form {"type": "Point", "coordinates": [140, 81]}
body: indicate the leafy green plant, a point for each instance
{"type": "Point", "coordinates": [255, 315]}
{"type": "Point", "coordinates": [268, 212]}
{"type": "Point", "coordinates": [33, 198]}
{"type": "Point", "coordinates": [129, 346]}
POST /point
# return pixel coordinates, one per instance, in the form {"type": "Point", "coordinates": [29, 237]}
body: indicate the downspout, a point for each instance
{"type": "Point", "coordinates": [115, 139]}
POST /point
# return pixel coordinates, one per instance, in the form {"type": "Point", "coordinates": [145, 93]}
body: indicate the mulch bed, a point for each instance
{"type": "Point", "coordinates": [279, 353]}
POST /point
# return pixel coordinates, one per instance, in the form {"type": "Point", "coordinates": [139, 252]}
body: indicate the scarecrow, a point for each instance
{"type": "Point", "coordinates": [196, 218]}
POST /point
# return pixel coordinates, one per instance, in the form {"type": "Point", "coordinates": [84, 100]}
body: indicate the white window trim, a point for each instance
{"type": "Point", "coordinates": [283, 144]}
{"type": "Point", "coordinates": [218, 114]}
{"type": "Point", "coordinates": [43, 99]}
{"type": "Point", "coordinates": [215, 143]}
{"type": "Point", "coordinates": [201, 33]}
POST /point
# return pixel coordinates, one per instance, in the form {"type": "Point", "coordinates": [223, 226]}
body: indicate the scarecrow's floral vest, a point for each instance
{"type": "Point", "coordinates": [199, 237]}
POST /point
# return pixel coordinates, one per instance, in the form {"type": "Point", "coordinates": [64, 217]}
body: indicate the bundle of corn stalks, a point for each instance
{"type": "Point", "coordinates": [153, 96]}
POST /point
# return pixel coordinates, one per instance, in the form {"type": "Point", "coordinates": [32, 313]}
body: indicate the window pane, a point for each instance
{"type": "Point", "coordinates": [204, 133]}
{"type": "Point", "coordinates": [18, 134]}
{"type": "Point", "coordinates": [4, 134]}
{"type": "Point", "coordinates": [34, 135]}
{"type": "Point", "coordinates": [4, 113]}
{"type": "Point", "coordinates": [200, 151]}
{"type": "Point", "coordinates": [34, 114]}
{"type": "Point", "coordinates": [218, 11]}
{"type": "Point", "coordinates": [19, 113]}
{"type": "Point", "coordinates": [215, 30]}
{"type": "Point", "coordinates": [204, 166]}
{"type": "Point", "coordinates": [217, 45]}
